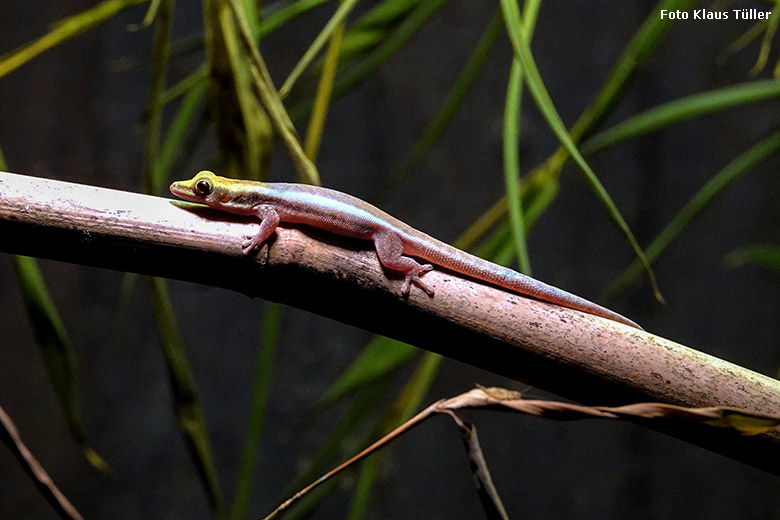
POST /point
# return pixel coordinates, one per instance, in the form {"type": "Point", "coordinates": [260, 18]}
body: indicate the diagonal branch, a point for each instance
{"type": "Point", "coordinates": [582, 357]}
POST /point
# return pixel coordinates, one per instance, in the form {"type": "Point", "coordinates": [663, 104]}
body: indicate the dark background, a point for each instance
{"type": "Point", "coordinates": [75, 114]}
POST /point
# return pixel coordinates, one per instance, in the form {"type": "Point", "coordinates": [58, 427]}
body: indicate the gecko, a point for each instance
{"type": "Point", "coordinates": [397, 244]}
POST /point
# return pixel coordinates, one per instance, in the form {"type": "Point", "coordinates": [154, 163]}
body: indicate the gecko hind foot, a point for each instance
{"type": "Point", "coordinates": [414, 276]}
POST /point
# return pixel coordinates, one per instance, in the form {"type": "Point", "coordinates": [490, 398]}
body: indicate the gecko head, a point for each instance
{"type": "Point", "coordinates": [205, 188]}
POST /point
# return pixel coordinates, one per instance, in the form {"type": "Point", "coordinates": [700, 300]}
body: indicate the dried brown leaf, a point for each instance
{"type": "Point", "coordinates": [486, 490]}
{"type": "Point", "coordinates": [494, 398]}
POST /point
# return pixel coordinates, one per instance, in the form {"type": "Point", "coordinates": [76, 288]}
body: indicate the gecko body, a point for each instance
{"type": "Point", "coordinates": [395, 241]}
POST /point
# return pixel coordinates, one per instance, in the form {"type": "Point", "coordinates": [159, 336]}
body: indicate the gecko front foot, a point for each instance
{"type": "Point", "coordinates": [414, 276]}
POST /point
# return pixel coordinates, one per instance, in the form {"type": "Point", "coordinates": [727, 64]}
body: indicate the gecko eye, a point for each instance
{"type": "Point", "coordinates": [204, 187]}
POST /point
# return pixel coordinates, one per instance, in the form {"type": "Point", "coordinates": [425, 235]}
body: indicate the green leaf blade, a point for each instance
{"type": "Point", "coordinates": [186, 403]}
{"type": "Point", "coordinates": [711, 189]}
{"type": "Point", "coordinates": [260, 393]}
{"type": "Point", "coordinates": [56, 351]}
{"type": "Point", "coordinates": [544, 103]}
{"type": "Point", "coordinates": [684, 109]}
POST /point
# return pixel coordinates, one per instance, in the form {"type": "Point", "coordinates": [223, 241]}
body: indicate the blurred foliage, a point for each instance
{"type": "Point", "coordinates": [55, 348]}
{"type": "Point", "coordinates": [764, 255]}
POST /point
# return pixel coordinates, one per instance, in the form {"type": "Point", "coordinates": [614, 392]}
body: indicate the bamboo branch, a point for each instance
{"type": "Point", "coordinates": [578, 356]}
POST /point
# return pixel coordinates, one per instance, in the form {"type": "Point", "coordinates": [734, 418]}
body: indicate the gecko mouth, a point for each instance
{"type": "Point", "coordinates": [179, 190]}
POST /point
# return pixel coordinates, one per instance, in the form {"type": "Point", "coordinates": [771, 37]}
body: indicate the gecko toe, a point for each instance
{"type": "Point", "coordinates": [247, 246]}
{"type": "Point", "coordinates": [424, 269]}
{"type": "Point", "coordinates": [424, 286]}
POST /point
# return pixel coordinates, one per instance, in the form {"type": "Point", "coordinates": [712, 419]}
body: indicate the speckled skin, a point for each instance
{"type": "Point", "coordinates": [345, 215]}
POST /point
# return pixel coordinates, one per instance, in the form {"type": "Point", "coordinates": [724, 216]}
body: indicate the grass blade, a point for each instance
{"type": "Point", "coordinates": [766, 42]}
{"type": "Point", "coordinates": [186, 403]}
{"type": "Point", "coordinates": [324, 91]}
{"type": "Point", "coordinates": [260, 392]}
{"type": "Point", "coordinates": [407, 402]}
{"type": "Point", "coordinates": [52, 338]}
{"type": "Point", "coordinates": [243, 130]}
{"type": "Point", "coordinates": [151, 14]}
{"type": "Point", "coordinates": [160, 53]}
{"type": "Point", "coordinates": [386, 13]}
{"type": "Point", "coordinates": [55, 349]}
{"type": "Point", "coordinates": [307, 171]}
{"type": "Point", "coordinates": [766, 255]}
{"type": "Point", "coordinates": [196, 79]}
{"type": "Point", "coordinates": [512, 166]}
{"type": "Point", "coordinates": [270, 22]}
{"type": "Point", "coordinates": [358, 414]}
{"type": "Point", "coordinates": [641, 46]}
{"type": "Point", "coordinates": [684, 109]}
{"type": "Point", "coordinates": [511, 142]}
{"type": "Point", "coordinates": [416, 19]}
{"type": "Point", "coordinates": [279, 18]}
{"type": "Point", "coordinates": [536, 86]}
{"type": "Point", "coordinates": [336, 21]}
{"type": "Point", "coordinates": [390, 44]}
{"type": "Point", "coordinates": [178, 129]}
{"type": "Point", "coordinates": [252, 12]}
{"type": "Point", "coordinates": [378, 359]}
{"type": "Point", "coordinates": [719, 182]}
{"type": "Point", "coordinates": [371, 28]}
{"type": "Point", "coordinates": [54, 345]}
{"type": "Point", "coordinates": [449, 108]}
{"type": "Point", "coordinates": [358, 42]}
{"type": "Point", "coordinates": [64, 31]}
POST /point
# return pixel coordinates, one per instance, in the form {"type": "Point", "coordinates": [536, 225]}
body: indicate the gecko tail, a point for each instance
{"type": "Point", "coordinates": [469, 265]}
{"type": "Point", "coordinates": [528, 286]}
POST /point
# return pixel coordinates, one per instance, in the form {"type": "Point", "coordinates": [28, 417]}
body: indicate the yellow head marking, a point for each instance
{"type": "Point", "coordinates": [217, 192]}
{"type": "Point", "coordinates": [197, 189]}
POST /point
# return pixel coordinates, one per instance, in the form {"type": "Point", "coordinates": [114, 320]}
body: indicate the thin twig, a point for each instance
{"type": "Point", "coordinates": [11, 438]}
